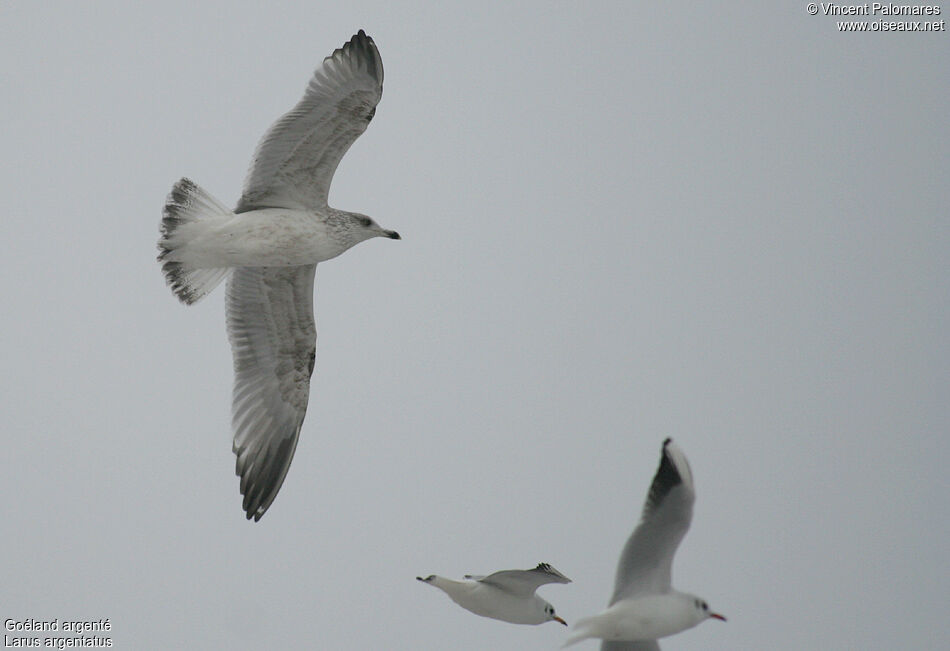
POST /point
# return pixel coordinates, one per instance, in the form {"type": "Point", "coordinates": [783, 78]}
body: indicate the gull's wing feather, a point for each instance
{"type": "Point", "coordinates": [646, 562]}
{"type": "Point", "coordinates": [525, 582]}
{"type": "Point", "coordinates": [273, 340]}
{"type": "Point", "coordinates": [295, 160]}
{"type": "Point", "coordinates": [642, 645]}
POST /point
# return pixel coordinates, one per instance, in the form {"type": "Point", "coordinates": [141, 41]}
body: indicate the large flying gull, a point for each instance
{"type": "Point", "coordinates": [268, 248]}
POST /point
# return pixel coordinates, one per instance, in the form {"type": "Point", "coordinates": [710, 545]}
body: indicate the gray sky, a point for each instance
{"type": "Point", "coordinates": [621, 222]}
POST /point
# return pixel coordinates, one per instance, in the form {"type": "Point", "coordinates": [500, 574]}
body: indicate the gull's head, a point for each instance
{"type": "Point", "coordinates": [363, 228]}
{"type": "Point", "coordinates": [703, 611]}
{"type": "Point", "coordinates": [549, 614]}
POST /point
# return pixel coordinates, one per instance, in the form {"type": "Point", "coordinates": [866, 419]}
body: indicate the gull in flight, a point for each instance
{"type": "Point", "coordinates": [644, 605]}
{"type": "Point", "coordinates": [508, 595]}
{"type": "Point", "coordinates": [268, 248]}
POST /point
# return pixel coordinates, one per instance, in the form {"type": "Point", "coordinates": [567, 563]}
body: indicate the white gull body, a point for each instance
{"type": "Point", "coordinates": [644, 606]}
{"type": "Point", "coordinates": [508, 595]}
{"type": "Point", "coordinates": [268, 248]}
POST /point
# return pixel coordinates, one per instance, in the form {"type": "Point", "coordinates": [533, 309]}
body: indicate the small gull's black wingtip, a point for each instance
{"type": "Point", "coordinates": [666, 478]}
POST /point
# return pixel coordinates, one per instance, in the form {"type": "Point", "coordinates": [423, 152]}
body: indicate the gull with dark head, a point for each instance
{"type": "Point", "coordinates": [268, 248]}
{"type": "Point", "coordinates": [644, 605]}
{"type": "Point", "coordinates": [508, 595]}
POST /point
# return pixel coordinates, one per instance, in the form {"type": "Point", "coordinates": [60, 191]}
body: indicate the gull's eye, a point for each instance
{"type": "Point", "coordinates": [705, 606]}
{"type": "Point", "coordinates": [365, 221]}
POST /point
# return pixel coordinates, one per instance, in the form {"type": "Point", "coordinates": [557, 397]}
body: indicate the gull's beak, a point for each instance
{"type": "Point", "coordinates": [393, 235]}
{"type": "Point", "coordinates": [558, 619]}
{"type": "Point", "coordinates": [717, 616]}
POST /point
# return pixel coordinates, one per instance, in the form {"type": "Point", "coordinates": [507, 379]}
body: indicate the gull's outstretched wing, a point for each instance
{"type": "Point", "coordinates": [524, 582]}
{"type": "Point", "coordinates": [273, 340]}
{"type": "Point", "coordinates": [643, 645]}
{"type": "Point", "coordinates": [646, 562]}
{"type": "Point", "coordinates": [295, 160]}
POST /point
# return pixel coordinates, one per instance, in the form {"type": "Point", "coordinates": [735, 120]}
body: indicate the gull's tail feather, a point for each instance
{"type": "Point", "coordinates": [186, 205]}
{"type": "Point", "coordinates": [579, 632]}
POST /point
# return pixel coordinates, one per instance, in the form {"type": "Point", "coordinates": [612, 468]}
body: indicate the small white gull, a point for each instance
{"type": "Point", "coordinates": [268, 247]}
{"type": "Point", "coordinates": [508, 595]}
{"type": "Point", "coordinates": [644, 605]}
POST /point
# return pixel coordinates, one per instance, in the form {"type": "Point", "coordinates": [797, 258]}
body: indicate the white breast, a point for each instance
{"type": "Point", "coordinates": [270, 237]}
{"type": "Point", "coordinates": [649, 618]}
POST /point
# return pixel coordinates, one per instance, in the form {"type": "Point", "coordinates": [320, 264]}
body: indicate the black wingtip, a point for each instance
{"type": "Point", "coordinates": [547, 567]}
{"type": "Point", "coordinates": [361, 36]}
{"type": "Point", "coordinates": [363, 47]}
{"type": "Point", "coordinates": [666, 479]}
{"type": "Point", "coordinates": [252, 513]}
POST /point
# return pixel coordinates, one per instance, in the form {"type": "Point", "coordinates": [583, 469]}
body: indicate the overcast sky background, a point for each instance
{"type": "Point", "coordinates": [727, 224]}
